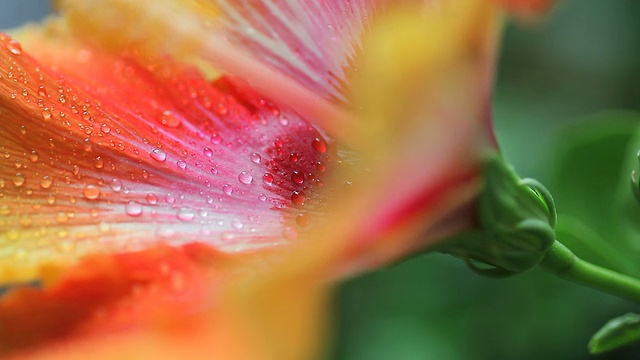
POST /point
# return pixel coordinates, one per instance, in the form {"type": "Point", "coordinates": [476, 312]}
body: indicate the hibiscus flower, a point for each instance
{"type": "Point", "coordinates": [183, 180]}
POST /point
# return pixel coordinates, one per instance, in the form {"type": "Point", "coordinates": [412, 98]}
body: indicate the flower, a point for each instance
{"type": "Point", "coordinates": [167, 215]}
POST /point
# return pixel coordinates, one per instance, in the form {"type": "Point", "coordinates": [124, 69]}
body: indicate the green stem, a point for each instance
{"type": "Point", "coordinates": [560, 261]}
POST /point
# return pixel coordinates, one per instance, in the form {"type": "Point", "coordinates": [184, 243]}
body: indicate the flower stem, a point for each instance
{"type": "Point", "coordinates": [562, 262]}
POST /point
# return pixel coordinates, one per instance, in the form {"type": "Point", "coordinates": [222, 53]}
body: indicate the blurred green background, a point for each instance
{"type": "Point", "coordinates": [560, 87]}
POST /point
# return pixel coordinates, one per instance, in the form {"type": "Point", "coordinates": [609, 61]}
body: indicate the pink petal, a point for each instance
{"type": "Point", "coordinates": [129, 154]}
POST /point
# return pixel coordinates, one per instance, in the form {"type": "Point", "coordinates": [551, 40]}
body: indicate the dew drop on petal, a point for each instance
{"type": "Point", "coordinates": [91, 192]}
{"type": "Point", "coordinates": [298, 197]}
{"type": "Point", "coordinates": [18, 180]}
{"type": "Point", "coordinates": [186, 214]}
{"type": "Point", "coordinates": [207, 152]}
{"type": "Point", "coordinates": [262, 197]}
{"type": "Point", "coordinates": [14, 47]}
{"type": "Point", "coordinates": [132, 208]}
{"type": "Point", "coordinates": [116, 185]}
{"type": "Point", "coordinates": [42, 91]}
{"type": "Point", "coordinates": [46, 182]}
{"type": "Point", "coordinates": [169, 119]}
{"type": "Point", "coordinates": [181, 164]}
{"type": "Point", "coordinates": [158, 155]}
{"type": "Point", "coordinates": [267, 178]}
{"type": "Point", "coordinates": [319, 145]}
{"type": "Point", "coordinates": [34, 156]}
{"type": "Point", "coordinates": [152, 198]}
{"type": "Point", "coordinates": [105, 128]}
{"type": "Point", "coordinates": [215, 138]}
{"type": "Point", "coordinates": [227, 189]}
{"type": "Point", "coordinates": [297, 177]}
{"type": "Point", "coordinates": [46, 114]}
{"type": "Point", "coordinates": [303, 220]}
{"type": "Point", "coordinates": [245, 178]}
{"type": "Point", "coordinates": [98, 163]}
{"type": "Point", "coordinates": [256, 158]}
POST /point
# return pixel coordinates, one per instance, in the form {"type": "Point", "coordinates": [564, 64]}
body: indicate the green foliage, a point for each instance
{"type": "Point", "coordinates": [618, 332]}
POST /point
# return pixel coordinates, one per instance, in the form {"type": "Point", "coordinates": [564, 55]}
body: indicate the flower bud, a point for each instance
{"type": "Point", "coordinates": [516, 218]}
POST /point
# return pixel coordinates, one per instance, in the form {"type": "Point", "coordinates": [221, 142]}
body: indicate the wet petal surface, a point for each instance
{"type": "Point", "coordinates": [130, 153]}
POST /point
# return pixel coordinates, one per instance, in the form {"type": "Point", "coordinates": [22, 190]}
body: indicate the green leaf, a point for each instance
{"type": "Point", "coordinates": [616, 333]}
{"type": "Point", "coordinates": [591, 189]}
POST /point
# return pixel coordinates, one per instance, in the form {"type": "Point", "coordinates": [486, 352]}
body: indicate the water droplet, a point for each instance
{"type": "Point", "coordinates": [186, 214]}
{"type": "Point", "coordinates": [256, 158]}
{"type": "Point", "coordinates": [181, 164]}
{"type": "Point", "coordinates": [46, 114]}
{"type": "Point", "coordinates": [152, 198]}
{"type": "Point", "coordinates": [42, 91]}
{"type": "Point", "coordinates": [278, 143]}
{"type": "Point", "coordinates": [293, 158]}
{"type": "Point", "coordinates": [262, 197]}
{"type": "Point", "coordinates": [169, 119]}
{"type": "Point", "coordinates": [98, 163]}
{"type": "Point", "coordinates": [319, 145]}
{"type": "Point", "coordinates": [14, 47]}
{"type": "Point", "coordinates": [321, 167]}
{"type": "Point", "coordinates": [105, 128]}
{"type": "Point", "coordinates": [267, 178]}
{"type": "Point", "coordinates": [303, 220]}
{"type": "Point", "coordinates": [297, 177]}
{"type": "Point", "coordinates": [34, 156]}
{"type": "Point", "coordinates": [158, 155]}
{"type": "Point", "coordinates": [46, 182]}
{"type": "Point", "coordinates": [227, 189]}
{"type": "Point", "coordinates": [116, 185]}
{"type": "Point", "coordinates": [207, 152]}
{"type": "Point", "coordinates": [132, 208]}
{"type": "Point", "coordinates": [284, 121]}
{"type": "Point", "coordinates": [18, 180]}
{"type": "Point", "coordinates": [298, 198]}
{"type": "Point", "coordinates": [245, 178]}
{"type": "Point", "coordinates": [215, 138]}
{"type": "Point", "coordinates": [91, 192]}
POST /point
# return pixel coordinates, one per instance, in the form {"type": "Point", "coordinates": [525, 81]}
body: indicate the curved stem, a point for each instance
{"type": "Point", "coordinates": [560, 261]}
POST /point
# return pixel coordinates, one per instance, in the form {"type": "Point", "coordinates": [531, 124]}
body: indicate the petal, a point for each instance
{"type": "Point", "coordinates": [103, 153]}
{"type": "Point", "coordinates": [424, 125]}
{"type": "Point", "coordinates": [164, 303]}
{"type": "Point", "coordinates": [299, 53]}
{"type": "Point", "coordinates": [428, 114]}
{"type": "Point", "coordinates": [528, 9]}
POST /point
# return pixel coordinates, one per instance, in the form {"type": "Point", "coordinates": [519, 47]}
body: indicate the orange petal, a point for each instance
{"type": "Point", "coordinates": [162, 303]}
{"type": "Point", "coordinates": [104, 153]}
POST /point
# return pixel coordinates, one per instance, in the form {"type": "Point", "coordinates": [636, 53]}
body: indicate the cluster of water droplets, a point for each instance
{"type": "Point", "coordinates": [147, 156]}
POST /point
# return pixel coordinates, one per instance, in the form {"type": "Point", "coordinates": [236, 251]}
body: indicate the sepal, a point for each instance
{"type": "Point", "coordinates": [516, 223]}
